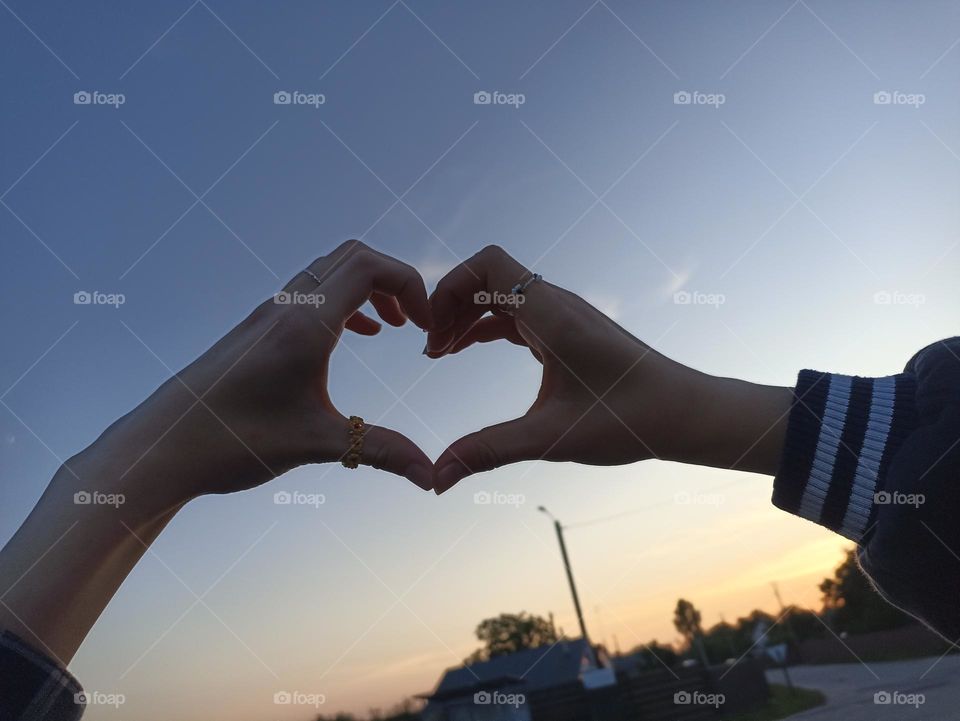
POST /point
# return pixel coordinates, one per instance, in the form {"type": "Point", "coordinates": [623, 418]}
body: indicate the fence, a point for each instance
{"type": "Point", "coordinates": [657, 695]}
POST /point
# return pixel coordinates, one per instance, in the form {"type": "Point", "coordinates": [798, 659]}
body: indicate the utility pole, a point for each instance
{"type": "Point", "coordinates": [793, 636]}
{"type": "Point", "coordinates": [785, 615]}
{"type": "Point", "coordinates": [573, 586]}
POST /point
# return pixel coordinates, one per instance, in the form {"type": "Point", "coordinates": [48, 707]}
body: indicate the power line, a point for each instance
{"type": "Point", "coordinates": [634, 511]}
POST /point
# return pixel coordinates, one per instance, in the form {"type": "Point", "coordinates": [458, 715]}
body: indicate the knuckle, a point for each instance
{"type": "Point", "coordinates": [409, 274]}
{"type": "Point", "coordinates": [485, 456]}
{"type": "Point", "coordinates": [493, 252]}
{"type": "Point", "coordinates": [360, 256]}
{"type": "Point", "coordinates": [445, 286]}
{"type": "Point", "coordinates": [351, 245]}
{"type": "Point", "coordinates": [379, 456]}
{"type": "Point", "coordinates": [349, 251]}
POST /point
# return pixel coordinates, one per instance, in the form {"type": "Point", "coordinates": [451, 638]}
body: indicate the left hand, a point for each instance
{"type": "Point", "coordinates": [256, 404]}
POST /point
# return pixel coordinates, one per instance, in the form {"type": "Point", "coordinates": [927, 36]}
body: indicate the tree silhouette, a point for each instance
{"type": "Point", "coordinates": [512, 632]}
{"type": "Point", "coordinates": [851, 604]}
{"type": "Point", "coordinates": [686, 619]}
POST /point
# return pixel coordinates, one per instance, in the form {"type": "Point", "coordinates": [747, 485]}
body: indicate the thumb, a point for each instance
{"type": "Point", "coordinates": [521, 439]}
{"type": "Point", "coordinates": [390, 451]}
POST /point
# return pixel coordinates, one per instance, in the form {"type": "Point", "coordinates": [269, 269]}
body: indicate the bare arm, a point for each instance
{"type": "Point", "coordinates": [252, 407]}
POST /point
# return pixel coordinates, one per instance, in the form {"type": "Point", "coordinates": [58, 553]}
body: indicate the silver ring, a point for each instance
{"type": "Point", "coordinates": [312, 275]}
{"type": "Point", "coordinates": [520, 287]}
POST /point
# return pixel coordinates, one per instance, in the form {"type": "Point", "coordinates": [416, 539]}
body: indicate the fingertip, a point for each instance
{"type": "Point", "coordinates": [423, 319]}
{"type": "Point", "coordinates": [435, 343]}
{"type": "Point", "coordinates": [442, 314]}
{"type": "Point", "coordinates": [416, 306]}
{"type": "Point", "coordinates": [420, 475]}
{"type": "Point", "coordinates": [363, 324]}
{"type": "Point", "coordinates": [449, 475]}
{"type": "Point", "coordinates": [432, 354]}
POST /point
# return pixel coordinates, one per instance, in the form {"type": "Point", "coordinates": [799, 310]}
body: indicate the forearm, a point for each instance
{"type": "Point", "coordinates": [73, 552]}
{"type": "Point", "coordinates": [722, 422]}
{"type": "Point", "coordinates": [94, 522]}
{"type": "Point", "coordinates": [252, 407]}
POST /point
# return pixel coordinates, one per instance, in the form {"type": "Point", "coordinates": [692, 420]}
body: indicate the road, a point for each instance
{"type": "Point", "coordinates": [925, 689]}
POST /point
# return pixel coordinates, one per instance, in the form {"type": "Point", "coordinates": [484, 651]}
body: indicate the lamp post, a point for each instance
{"type": "Point", "coordinates": [573, 587]}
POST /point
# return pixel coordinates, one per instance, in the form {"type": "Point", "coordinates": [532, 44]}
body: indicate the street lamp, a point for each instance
{"type": "Point", "coordinates": [573, 587]}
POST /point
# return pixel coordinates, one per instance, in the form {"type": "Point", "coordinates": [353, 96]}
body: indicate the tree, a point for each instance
{"type": "Point", "coordinates": [512, 632]}
{"type": "Point", "coordinates": [686, 619]}
{"type": "Point", "coordinates": [724, 640]}
{"type": "Point", "coordinates": [805, 624]}
{"type": "Point", "coordinates": [851, 604]}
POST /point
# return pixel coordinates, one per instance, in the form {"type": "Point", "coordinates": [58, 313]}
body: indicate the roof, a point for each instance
{"type": "Point", "coordinates": [630, 661]}
{"type": "Point", "coordinates": [535, 668]}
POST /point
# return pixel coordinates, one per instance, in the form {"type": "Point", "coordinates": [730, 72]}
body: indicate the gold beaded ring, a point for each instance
{"type": "Point", "coordinates": [355, 429]}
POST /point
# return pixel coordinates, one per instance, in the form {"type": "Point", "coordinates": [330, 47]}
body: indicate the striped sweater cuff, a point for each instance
{"type": "Point", "coordinates": [841, 434]}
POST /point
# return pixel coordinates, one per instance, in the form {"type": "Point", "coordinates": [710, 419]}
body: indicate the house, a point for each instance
{"type": "Point", "coordinates": [507, 688]}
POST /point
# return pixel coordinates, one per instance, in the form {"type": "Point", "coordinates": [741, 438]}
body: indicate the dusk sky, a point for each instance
{"type": "Point", "coordinates": [801, 210]}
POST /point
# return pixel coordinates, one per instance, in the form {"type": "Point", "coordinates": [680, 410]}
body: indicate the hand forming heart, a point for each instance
{"type": "Point", "coordinates": [599, 383]}
{"type": "Point", "coordinates": [256, 404]}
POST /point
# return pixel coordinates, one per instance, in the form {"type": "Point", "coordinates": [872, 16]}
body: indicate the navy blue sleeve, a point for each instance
{"type": "Point", "coordinates": [877, 460]}
{"type": "Point", "coordinates": [33, 687]}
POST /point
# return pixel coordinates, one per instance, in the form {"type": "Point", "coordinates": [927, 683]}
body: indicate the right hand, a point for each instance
{"type": "Point", "coordinates": [605, 397]}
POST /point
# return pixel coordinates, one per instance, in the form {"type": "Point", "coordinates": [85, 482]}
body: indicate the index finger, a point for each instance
{"type": "Point", "coordinates": [480, 284]}
{"type": "Point", "coordinates": [365, 272]}
{"type": "Point", "coordinates": [490, 270]}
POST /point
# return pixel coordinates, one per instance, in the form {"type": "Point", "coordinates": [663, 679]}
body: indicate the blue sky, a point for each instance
{"type": "Point", "coordinates": [822, 223]}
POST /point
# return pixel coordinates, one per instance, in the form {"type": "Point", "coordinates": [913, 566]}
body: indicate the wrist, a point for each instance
{"type": "Point", "coordinates": [724, 422]}
{"type": "Point", "coordinates": [158, 455]}
{"type": "Point", "coordinates": [120, 479]}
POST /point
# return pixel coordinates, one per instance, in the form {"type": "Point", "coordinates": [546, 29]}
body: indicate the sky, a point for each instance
{"type": "Point", "coordinates": [750, 187]}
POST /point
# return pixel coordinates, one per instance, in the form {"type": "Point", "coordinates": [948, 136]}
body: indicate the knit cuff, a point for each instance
{"type": "Point", "coordinates": [34, 686]}
{"type": "Point", "coordinates": [841, 434]}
